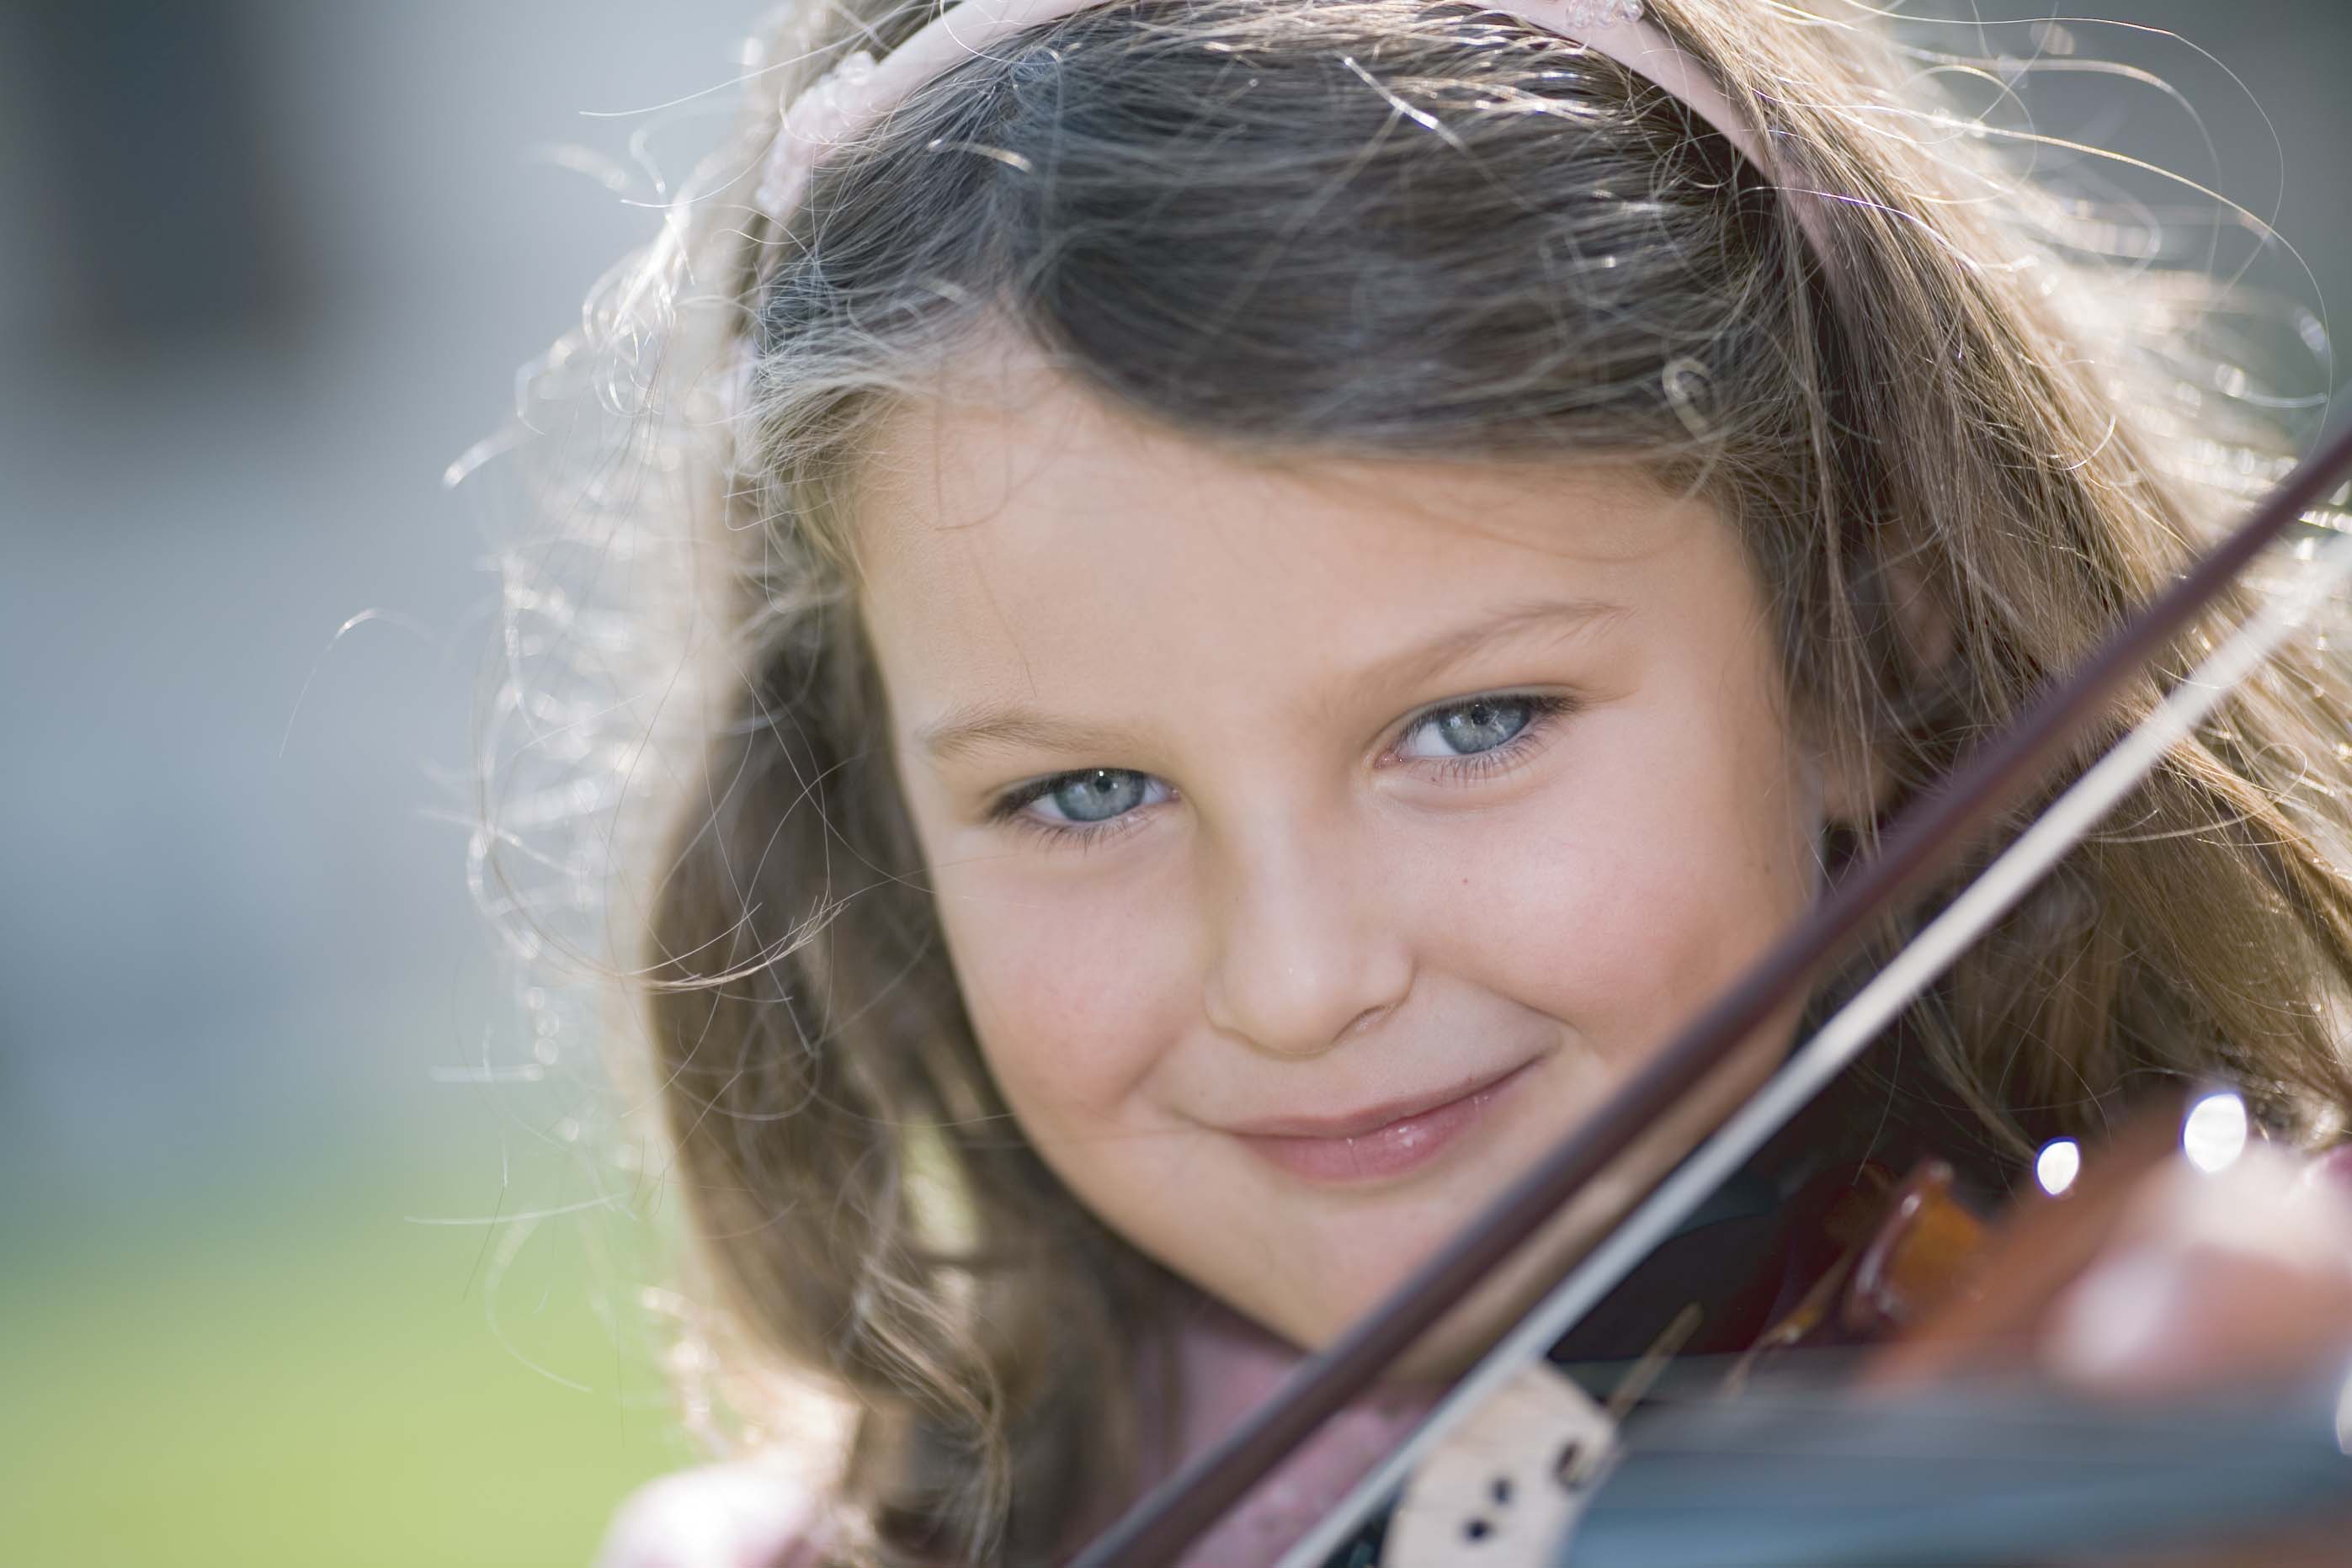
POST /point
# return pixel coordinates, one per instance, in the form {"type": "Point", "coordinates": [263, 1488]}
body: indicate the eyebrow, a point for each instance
{"type": "Point", "coordinates": [1428, 660]}
{"type": "Point", "coordinates": [986, 727]}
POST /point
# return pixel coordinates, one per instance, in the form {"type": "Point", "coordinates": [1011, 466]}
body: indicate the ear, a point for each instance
{"type": "Point", "coordinates": [1850, 787]}
{"type": "Point", "coordinates": [1855, 782]}
{"type": "Point", "coordinates": [1922, 621]}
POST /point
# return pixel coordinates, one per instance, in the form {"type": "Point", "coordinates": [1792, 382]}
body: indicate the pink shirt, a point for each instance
{"type": "Point", "coordinates": [749, 1515]}
{"type": "Point", "coordinates": [1227, 1365]}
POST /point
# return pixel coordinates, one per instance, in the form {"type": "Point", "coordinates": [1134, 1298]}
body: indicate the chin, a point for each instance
{"type": "Point", "coordinates": [1445, 1353]}
{"type": "Point", "coordinates": [1325, 1307]}
{"type": "Point", "coordinates": [1313, 1306]}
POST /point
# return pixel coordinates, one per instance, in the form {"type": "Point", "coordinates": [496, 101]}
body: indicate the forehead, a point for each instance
{"type": "Point", "coordinates": [1017, 533]}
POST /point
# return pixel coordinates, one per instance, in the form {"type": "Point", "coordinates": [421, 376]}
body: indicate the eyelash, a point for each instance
{"type": "Point", "coordinates": [1545, 709]}
{"type": "Point", "coordinates": [1009, 810]}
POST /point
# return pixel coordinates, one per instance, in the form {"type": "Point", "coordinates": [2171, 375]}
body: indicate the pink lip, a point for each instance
{"type": "Point", "coordinates": [1380, 1140]}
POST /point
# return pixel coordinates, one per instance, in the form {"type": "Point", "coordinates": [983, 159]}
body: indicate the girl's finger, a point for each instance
{"type": "Point", "coordinates": [722, 1516]}
{"type": "Point", "coordinates": [2238, 1274]}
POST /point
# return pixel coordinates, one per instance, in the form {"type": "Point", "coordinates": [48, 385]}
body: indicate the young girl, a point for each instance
{"type": "Point", "coordinates": [1247, 601]}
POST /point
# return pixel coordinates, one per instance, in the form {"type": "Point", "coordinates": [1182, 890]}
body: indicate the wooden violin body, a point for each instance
{"type": "Point", "coordinates": [1929, 1438]}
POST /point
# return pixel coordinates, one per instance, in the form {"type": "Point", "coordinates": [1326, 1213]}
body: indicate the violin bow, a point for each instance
{"type": "Point", "coordinates": [1924, 840]}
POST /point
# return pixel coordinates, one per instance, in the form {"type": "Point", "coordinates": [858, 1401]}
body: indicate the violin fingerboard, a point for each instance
{"type": "Point", "coordinates": [1504, 1487]}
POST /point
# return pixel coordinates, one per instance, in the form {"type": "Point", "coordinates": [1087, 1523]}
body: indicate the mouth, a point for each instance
{"type": "Point", "coordinates": [1380, 1140]}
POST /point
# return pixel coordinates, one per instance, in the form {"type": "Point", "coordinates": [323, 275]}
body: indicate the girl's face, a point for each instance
{"type": "Point", "coordinates": [1316, 847]}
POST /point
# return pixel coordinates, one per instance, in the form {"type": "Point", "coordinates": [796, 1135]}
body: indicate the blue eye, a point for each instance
{"type": "Point", "coordinates": [1481, 738]}
{"type": "Point", "coordinates": [1080, 804]}
{"type": "Point", "coordinates": [1479, 725]}
{"type": "Point", "coordinates": [1097, 795]}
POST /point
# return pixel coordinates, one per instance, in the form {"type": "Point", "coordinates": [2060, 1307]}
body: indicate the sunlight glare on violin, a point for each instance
{"type": "Point", "coordinates": [2214, 1134]}
{"type": "Point", "coordinates": [2057, 1166]}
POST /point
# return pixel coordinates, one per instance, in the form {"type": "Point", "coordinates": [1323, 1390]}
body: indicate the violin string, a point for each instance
{"type": "Point", "coordinates": [1815, 1384]}
{"type": "Point", "coordinates": [1654, 1364]}
{"type": "Point", "coordinates": [1843, 1038]}
{"type": "Point", "coordinates": [1991, 1470]}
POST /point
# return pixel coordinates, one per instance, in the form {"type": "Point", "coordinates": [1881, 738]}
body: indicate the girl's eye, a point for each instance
{"type": "Point", "coordinates": [1097, 795]}
{"type": "Point", "coordinates": [1079, 804]}
{"type": "Point", "coordinates": [1477, 738]}
{"type": "Point", "coordinates": [1478, 729]}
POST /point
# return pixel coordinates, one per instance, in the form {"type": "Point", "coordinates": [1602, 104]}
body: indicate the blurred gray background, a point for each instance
{"type": "Point", "coordinates": [265, 270]}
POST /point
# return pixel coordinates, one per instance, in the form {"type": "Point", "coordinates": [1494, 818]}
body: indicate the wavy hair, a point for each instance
{"type": "Point", "coordinates": [1357, 229]}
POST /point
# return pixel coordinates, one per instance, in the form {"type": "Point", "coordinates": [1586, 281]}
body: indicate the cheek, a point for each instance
{"type": "Point", "coordinates": [1660, 861]}
{"type": "Point", "coordinates": [1075, 991]}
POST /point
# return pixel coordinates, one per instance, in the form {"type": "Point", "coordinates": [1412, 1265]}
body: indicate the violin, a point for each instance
{"type": "Point", "coordinates": [1536, 1458]}
{"type": "Point", "coordinates": [1952, 1454]}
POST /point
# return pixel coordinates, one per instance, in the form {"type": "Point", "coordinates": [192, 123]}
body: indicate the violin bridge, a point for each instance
{"type": "Point", "coordinates": [1506, 1487]}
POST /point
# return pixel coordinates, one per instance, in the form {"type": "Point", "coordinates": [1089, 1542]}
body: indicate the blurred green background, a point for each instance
{"type": "Point", "coordinates": [279, 1285]}
{"type": "Point", "coordinates": [266, 269]}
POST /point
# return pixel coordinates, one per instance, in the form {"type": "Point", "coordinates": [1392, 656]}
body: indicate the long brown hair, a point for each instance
{"type": "Point", "coordinates": [1373, 229]}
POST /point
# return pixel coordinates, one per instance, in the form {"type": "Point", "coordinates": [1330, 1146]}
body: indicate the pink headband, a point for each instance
{"type": "Point", "coordinates": [846, 100]}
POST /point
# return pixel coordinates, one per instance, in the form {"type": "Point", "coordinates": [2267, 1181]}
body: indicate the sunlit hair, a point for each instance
{"type": "Point", "coordinates": [1355, 228]}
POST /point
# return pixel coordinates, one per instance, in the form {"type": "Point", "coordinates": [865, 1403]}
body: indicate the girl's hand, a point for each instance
{"type": "Point", "coordinates": [2240, 1276]}
{"type": "Point", "coordinates": [739, 1515]}
{"type": "Point", "coordinates": [2235, 1276]}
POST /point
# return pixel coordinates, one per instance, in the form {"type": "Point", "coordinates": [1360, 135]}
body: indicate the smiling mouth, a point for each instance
{"type": "Point", "coordinates": [1381, 1142]}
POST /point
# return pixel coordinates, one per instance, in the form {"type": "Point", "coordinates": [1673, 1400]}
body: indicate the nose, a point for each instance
{"type": "Point", "coordinates": [1307, 950]}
